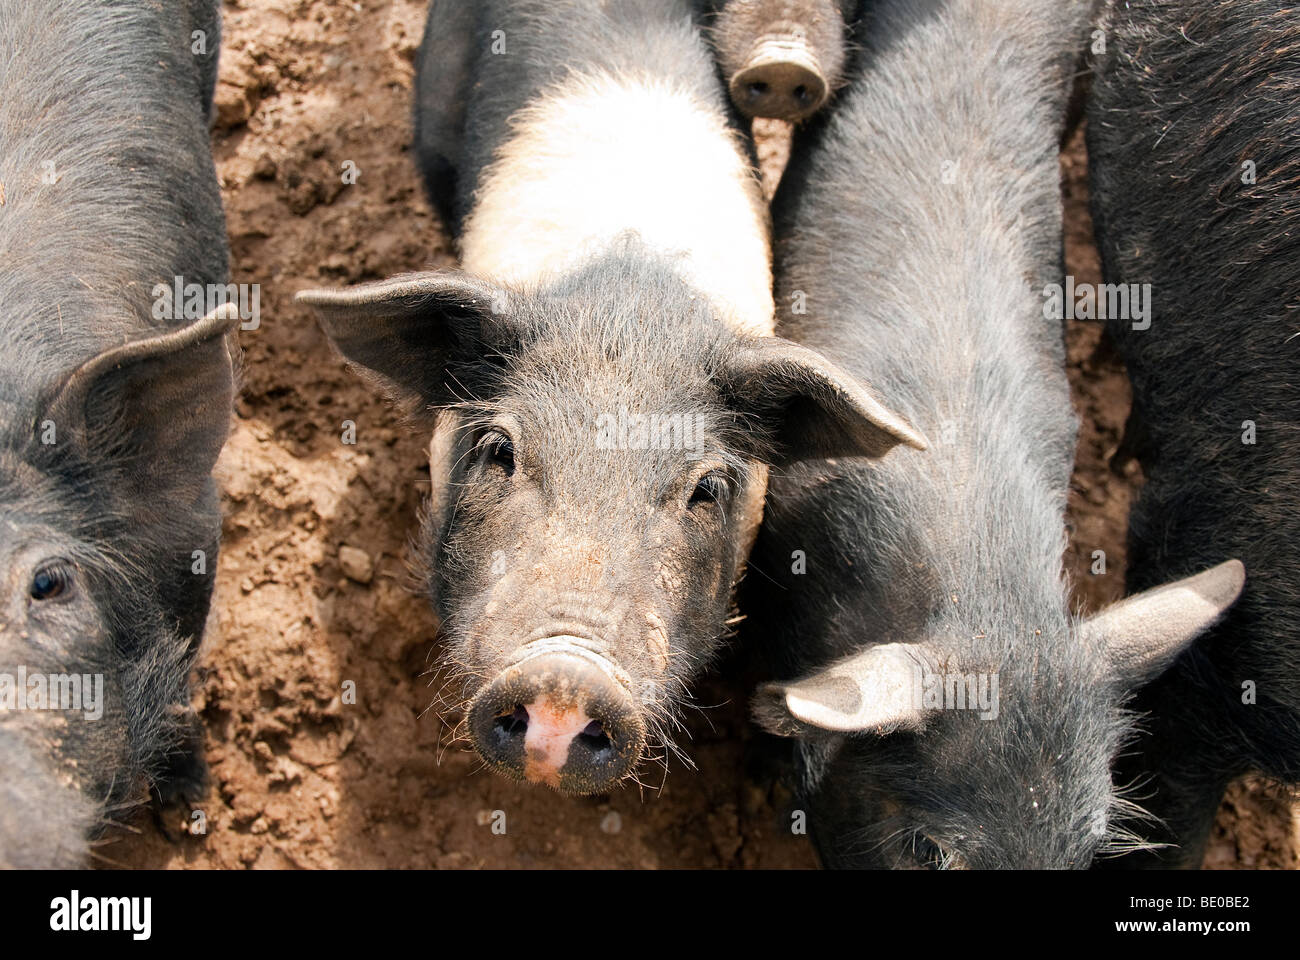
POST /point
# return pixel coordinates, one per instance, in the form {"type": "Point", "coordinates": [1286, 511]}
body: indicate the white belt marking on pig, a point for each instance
{"type": "Point", "coordinates": [600, 155]}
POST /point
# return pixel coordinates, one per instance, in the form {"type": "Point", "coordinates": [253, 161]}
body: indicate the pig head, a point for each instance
{"type": "Point", "coordinates": [105, 496]}
{"type": "Point", "coordinates": [598, 457]}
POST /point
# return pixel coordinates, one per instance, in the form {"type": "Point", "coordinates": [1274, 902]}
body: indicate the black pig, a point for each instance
{"type": "Point", "coordinates": [1195, 154]}
{"type": "Point", "coordinates": [949, 710]}
{"type": "Point", "coordinates": [113, 407]}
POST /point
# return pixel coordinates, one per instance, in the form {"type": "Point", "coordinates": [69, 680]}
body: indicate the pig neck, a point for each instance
{"type": "Point", "coordinates": [600, 155]}
{"type": "Point", "coordinates": [923, 241]}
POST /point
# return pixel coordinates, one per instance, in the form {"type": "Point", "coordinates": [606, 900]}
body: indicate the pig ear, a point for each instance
{"type": "Point", "coordinates": [872, 690]}
{"type": "Point", "coordinates": [818, 409]}
{"type": "Point", "coordinates": [405, 330]}
{"type": "Point", "coordinates": [1143, 634]}
{"type": "Point", "coordinates": [158, 409]}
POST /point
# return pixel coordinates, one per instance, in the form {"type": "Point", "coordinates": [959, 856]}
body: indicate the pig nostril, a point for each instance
{"type": "Point", "coordinates": [801, 94]}
{"type": "Point", "coordinates": [508, 726]}
{"type": "Point", "coordinates": [758, 89]}
{"type": "Point", "coordinates": [594, 738]}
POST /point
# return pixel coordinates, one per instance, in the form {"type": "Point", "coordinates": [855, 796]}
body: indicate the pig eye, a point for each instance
{"type": "Point", "coordinates": [711, 488]}
{"type": "Point", "coordinates": [495, 448]}
{"type": "Point", "coordinates": [930, 855]}
{"type": "Point", "coordinates": [51, 581]}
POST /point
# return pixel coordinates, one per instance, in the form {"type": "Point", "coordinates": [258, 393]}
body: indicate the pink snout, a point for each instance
{"type": "Point", "coordinates": [561, 719]}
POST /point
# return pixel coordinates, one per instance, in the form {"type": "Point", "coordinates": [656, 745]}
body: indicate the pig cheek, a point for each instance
{"type": "Point", "coordinates": [63, 635]}
{"type": "Point", "coordinates": [483, 543]}
{"type": "Point", "coordinates": [513, 586]}
{"type": "Point", "coordinates": [494, 633]}
{"type": "Point", "coordinates": [687, 580]}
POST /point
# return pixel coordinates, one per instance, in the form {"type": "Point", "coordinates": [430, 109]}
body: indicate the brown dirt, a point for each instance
{"type": "Point", "coordinates": [301, 778]}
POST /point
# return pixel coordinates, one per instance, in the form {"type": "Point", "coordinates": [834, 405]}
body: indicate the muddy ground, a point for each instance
{"type": "Point", "coordinates": [302, 779]}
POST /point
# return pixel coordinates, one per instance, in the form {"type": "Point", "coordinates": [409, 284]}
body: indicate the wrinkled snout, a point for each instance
{"type": "Point", "coordinates": [44, 823]}
{"type": "Point", "coordinates": [782, 79]}
{"type": "Point", "coordinates": [559, 715]}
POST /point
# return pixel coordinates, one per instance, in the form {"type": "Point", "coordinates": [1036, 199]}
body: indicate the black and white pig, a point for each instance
{"type": "Point", "coordinates": [114, 404]}
{"type": "Point", "coordinates": [606, 389]}
{"type": "Point", "coordinates": [1194, 147]}
{"type": "Point", "coordinates": [949, 710]}
{"type": "Point", "coordinates": [781, 58]}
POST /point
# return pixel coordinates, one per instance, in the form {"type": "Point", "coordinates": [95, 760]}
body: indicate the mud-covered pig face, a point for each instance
{"type": "Point", "coordinates": [599, 513]}
{"type": "Point", "coordinates": [598, 465]}
{"type": "Point", "coordinates": [62, 710]}
{"type": "Point", "coordinates": [940, 754]}
{"type": "Point", "coordinates": [104, 496]}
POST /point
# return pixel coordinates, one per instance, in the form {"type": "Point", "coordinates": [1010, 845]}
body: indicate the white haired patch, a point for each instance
{"type": "Point", "coordinates": [600, 155]}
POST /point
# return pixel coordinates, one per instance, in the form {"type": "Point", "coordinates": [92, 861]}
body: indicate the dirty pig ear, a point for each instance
{"type": "Point", "coordinates": [404, 331]}
{"type": "Point", "coordinates": [1143, 634]}
{"type": "Point", "coordinates": [875, 690]}
{"type": "Point", "coordinates": [157, 409]}
{"type": "Point", "coordinates": [815, 409]}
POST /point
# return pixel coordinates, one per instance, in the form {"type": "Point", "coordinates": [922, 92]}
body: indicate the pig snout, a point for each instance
{"type": "Point", "coordinates": [559, 716]}
{"type": "Point", "coordinates": [44, 821]}
{"type": "Point", "coordinates": [782, 79]}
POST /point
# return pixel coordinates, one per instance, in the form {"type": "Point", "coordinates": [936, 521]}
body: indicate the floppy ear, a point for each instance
{"type": "Point", "coordinates": [872, 690]}
{"type": "Point", "coordinates": [1143, 634]}
{"type": "Point", "coordinates": [158, 410]}
{"type": "Point", "coordinates": [818, 409]}
{"type": "Point", "coordinates": [404, 331]}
